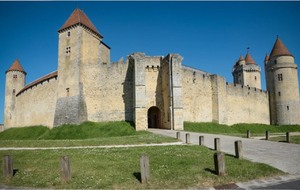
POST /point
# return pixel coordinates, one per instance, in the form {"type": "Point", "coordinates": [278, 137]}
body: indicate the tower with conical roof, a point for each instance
{"type": "Point", "coordinates": [246, 72]}
{"type": "Point", "coordinates": [15, 81]}
{"type": "Point", "coordinates": [282, 84]}
{"type": "Point", "coordinates": [80, 47]}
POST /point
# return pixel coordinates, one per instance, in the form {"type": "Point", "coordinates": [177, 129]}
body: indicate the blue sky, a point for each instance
{"type": "Point", "coordinates": [209, 35]}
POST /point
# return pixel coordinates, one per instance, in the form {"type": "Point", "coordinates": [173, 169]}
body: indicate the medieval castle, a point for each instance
{"type": "Point", "coordinates": [151, 91]}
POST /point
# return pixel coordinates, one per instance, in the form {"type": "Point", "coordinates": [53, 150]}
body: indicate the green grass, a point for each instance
{"type": "Point", "coordinates": [170, 167]}
{"type": "Point", "coordinates": [85, 134]}
{"type": "Point", "coordinates": [85, 130]}
{"type": "Point", "coordinates": [239, 129]}
{"type": "Point", "coordinates": [293, 139]}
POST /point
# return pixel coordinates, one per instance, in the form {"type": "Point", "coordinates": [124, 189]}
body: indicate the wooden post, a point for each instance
{"type": "Point", "coordinates": [65, 170]}
{"type": "Point", "coordinates": [187, 138]}
{"type": "Point", "coordinates": [217, 144]}
{"type": "Point", "coordinates": [178, 135]}
{"type": "Point", "coordinates": [288, 140]}
{"type": "Point", "coordinates": [201, 140]}
{"type": "Point", "coordinates": [145, 168]}
{"type": "Point", "coordinates": [267, 135]}
{"type": "Point", "coordinates": [219, 160]}
{"type": "Point", "coordinates": [7, 166]}
{"type": "Point", "coordinates": [238, 149]}
{"type": "Point", "coordinates": [248, 134]}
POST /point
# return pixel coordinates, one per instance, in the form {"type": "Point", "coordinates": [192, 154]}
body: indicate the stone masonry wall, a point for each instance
{"type": "Point", "coordinates": [246, 105]}
{"type": "Point", "coordinates": [36, 105]}
{"type": "Point", "coordinates": [196, 95]}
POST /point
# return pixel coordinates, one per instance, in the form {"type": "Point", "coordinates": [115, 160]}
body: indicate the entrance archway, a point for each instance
{"type": "Point", "coordinates": [154, 117]}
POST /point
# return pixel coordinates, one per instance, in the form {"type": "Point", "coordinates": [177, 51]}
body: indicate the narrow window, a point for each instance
{"type": "Point", "coordinates": [255, 78]}
{"type": "Point", "coordinates": [14, 91]}
{"type": "Point", "coordinates": [288, 107]}
{"type": "Point", "coordinates": [280, 77]}
{"type": "Point", "coordinates": [68, 50]}
{"type": "Point", "coordinates": [68, 91]}
{"type": "Point", "coordinates": [15, 77]}
{"type": "Point", "coordinates": [69, 34]}
{"type": "Point", "coordinates": [279, 94]}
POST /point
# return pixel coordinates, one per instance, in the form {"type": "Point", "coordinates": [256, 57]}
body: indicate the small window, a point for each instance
{"type": "Point", "coordinates": [255, 78]}
{"type": "Point", "coordinates": [14, 91]}
{"type": "Point", "coordinates": [288, 107]}
{"type": "Point", "coordinates": [280, 78]}
{"type": "Point", "coordinates": [68, 91]}
{"type": "Point", "coordinates": [15, 76]}
{"type": "Point", "coordinates": [68, 50]}
{"type": "Point", "coordinates": [279, 94]}
{"type": "Point", "coordinates": [69, 34]}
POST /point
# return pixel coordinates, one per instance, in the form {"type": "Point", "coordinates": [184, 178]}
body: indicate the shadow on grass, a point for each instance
{"type": "Point", "coordinates": [15, 171]}
{"type": "Point", "coordinates": [138, 176]}
{"type": "Point", "coordinates": [211, 171]}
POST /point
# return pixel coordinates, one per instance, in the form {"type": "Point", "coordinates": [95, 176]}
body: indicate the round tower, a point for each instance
{"type": "Point", "coordinates": [282, 84]}
{"type": "Point", "coordinates": [15, 81]}
{"type": "Point", "coordinates": [246, 72]}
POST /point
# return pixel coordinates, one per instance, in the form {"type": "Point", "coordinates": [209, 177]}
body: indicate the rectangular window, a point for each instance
{"type": "Point", "coordinates": [14, 91]}
{"type": "Point", "coordinates": [279, 94]}
{"type": "Point", "coordinates": [255, 78]}
{"type": "Point", "coordinates": [280, 77]}
{"type": "Point", "coordinates": [69, 34]}
{"type": "Point", "coordinates": [68, 91]}
{"type": "Point", "coordinates": [288, 107]}
{"type": "Point", "coordinates": [15, 76]}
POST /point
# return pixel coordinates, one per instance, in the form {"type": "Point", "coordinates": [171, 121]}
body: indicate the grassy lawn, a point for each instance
{"type": "Point", "coordinates": [239, 129]}
{"type": "Point", "coordinates": [171, 167]}
{"type": "Point", "coordinates": [85, 134]}
{"type": "Point", "coordinates": [293, 139]}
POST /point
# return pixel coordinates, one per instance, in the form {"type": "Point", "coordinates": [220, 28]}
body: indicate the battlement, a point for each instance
{"type": "Point", "coordinates": [243, 88]}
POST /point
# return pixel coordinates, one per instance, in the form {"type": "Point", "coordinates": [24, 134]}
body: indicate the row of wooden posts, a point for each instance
{"type": "Point", "coordinates": [219, 159]}
{"type": "Point", "coordinates": [65, 169]}
{"type": "Point", "coordinates": [287, 136]}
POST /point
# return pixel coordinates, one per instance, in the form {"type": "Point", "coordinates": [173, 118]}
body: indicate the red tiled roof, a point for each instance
{"type": "Point", "coordinates": [16, 66]}
{"type": "Point", "coordinates": [241, 58]}
{"type": "Point", "coordinates": [78, 17]}
{"type": "Point", "coordinates": [267, 57]}
{"type": "Point", "coordinates": [249, 59]}
{"type": "Point", "coordinates": [42, 79]}
{"type": "Point", "coordinates": [279, 49]}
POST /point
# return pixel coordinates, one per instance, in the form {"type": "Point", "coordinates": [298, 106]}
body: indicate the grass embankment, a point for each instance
{"type": "Point", "coordinates": [85, 134]}
{"type": "Point", "coordinates": [239, 129]}
{"type": "Point", "coordinates": [171, 167]}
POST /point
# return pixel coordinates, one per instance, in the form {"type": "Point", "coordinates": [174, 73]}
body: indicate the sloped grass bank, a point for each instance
{"type": "Point", "coordinates": [239, 129]}
{"type": "Point", "coordinates": [171, 167]}
{"type": "Point", "coordinates": [85, 134]}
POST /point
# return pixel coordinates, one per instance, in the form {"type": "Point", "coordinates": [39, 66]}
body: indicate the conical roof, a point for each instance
{"type": "Point", "coordinates": [279, 49]}
{"type": "Point", "coordinates": [78, 17]}
{"type": "Point", "coordinates": [267, 57]}
{"type": "Point", "coordinates": [249, 59]}
{"type": "Point", "coordinates": [241, 58]}
{"type": "Point", "coordinates": [16, 66]}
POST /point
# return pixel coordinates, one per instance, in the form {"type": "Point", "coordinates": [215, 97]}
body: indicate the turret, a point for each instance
{"type": "Point", "coordinates": [282, 84]}
{"type": "Point", "coordinates": [15, 81]}
{"type": "Point", "coordinates": [246, 72]}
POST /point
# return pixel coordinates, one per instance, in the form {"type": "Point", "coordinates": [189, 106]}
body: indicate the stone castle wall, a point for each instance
{"type": "Point", "coordinates": [246, 105]}
{"type": "Point", "coordinates": [36, 105]}
{"type": "Point", "coordinates": [196, 83]}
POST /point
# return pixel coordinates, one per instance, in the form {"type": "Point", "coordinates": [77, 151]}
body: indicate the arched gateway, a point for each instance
{"type": "Point", "coordinates": [154, 120]}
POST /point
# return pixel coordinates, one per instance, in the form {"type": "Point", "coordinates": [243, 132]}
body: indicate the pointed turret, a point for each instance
{"type": "Point", "coordinates": [16, 66]}
{"type": "Point", "coordinates": [279, 49]}
{"type": "Point", "coordinates": [78, 17]}
{"type": "Point", "coordinates": [249, 59]}
{"type": "Point", "coordinates": [267, 58]}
